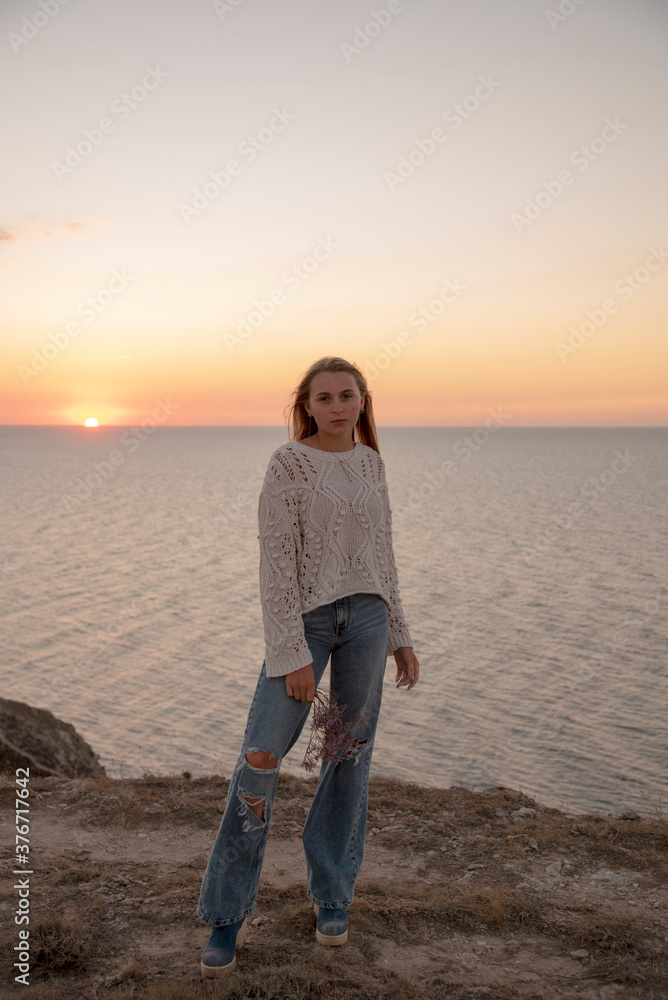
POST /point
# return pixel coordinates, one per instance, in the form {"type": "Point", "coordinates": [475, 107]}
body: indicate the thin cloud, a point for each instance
{"type": "Point", "coordinates": [77, 229]}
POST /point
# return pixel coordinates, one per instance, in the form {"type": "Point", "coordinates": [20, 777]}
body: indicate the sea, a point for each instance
{"type": "Point", "coordinates": [533, 573]}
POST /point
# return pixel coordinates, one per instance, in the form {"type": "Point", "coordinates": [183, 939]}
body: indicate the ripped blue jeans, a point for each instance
{"type": "Point", "coordinates": [354, 630]}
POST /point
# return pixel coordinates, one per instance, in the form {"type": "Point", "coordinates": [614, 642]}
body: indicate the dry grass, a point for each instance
{"type": "Point", "coordinates": [62, 944]}
{"type": "Point", "coordinates": [624, 953]}
{"type": "Point", "coordinates": [484, 824]}
{"type": "Point", "coordinates": [405, 908]}
{"type": "Point", "coordinates": [92, 916]}
{"type": "Point", "coordinates": [178, 799]}
{"type": "Point", "coordinates": [616, 932]}
{"type": "Point", "coordinates": [289, 976]}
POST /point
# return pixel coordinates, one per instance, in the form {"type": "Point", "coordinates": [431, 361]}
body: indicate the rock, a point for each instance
{"type": "Point", "coordinates": [35, 738]}
{"type": "Point", "coordinates": [524, 812]}
{"type": "Point", "coordinates": [554, 868]}
{"type": "Point", "coordinates": [629, 814]}
{"type": "Point", "coordinates": [511, 793]}
{"type": "Point", "coordinates": [580, 953]}
{"type": "Point", "coordinates": [607, 875]}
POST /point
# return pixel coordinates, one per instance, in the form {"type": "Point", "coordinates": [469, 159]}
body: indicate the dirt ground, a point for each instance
{"type": "Point", "coordinates": [462, 894]}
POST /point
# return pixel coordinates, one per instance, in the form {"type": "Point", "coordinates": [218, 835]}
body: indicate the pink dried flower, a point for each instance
{"type": "Point", "coordinates": [330, 737]}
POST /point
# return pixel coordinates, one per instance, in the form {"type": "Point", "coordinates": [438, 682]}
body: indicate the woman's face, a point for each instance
{"type": "Point", "coordinates": [334, 396]}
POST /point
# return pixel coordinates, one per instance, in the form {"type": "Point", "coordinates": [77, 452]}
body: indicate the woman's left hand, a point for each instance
{"type": "Point", "coordinates": [408, 668]}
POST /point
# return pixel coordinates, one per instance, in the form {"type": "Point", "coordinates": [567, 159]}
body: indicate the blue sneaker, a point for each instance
{"type": "Point", "coordinates": [332, 926]}
{"type": "Point", "coordinates": [219, 955]}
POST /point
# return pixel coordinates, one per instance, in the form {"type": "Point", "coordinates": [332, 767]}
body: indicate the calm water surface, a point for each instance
{"type": "Point", "coordinates": [533, 573]}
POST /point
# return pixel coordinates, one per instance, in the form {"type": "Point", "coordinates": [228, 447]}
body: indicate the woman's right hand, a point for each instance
{"type": "Point", "coordinates": [300, 684]}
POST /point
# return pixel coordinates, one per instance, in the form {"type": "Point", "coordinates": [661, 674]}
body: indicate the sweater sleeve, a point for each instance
{"type": "Point", "coordinates": [286, 648]}
{"type": "Point", "coordinates": [399, 634]}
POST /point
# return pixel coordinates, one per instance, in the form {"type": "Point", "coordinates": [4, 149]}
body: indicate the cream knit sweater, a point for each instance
{"type": "Point", "coordinates": [325, 532]}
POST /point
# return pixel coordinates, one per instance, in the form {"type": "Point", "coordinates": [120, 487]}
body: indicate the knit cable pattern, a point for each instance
{"type": "Point", "coordinates": [325, 532]}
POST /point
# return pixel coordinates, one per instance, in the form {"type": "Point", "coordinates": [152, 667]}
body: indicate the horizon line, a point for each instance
{"type": "Point", "coordinates": [537, 427]}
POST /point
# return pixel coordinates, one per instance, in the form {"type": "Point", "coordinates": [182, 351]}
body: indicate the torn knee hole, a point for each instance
{"type": "Point", "coordinates": [353, 751]}
{"type": "Point", "coordinates": [256, 803]}
{"type": "Point", "coordinates": [263, 759]}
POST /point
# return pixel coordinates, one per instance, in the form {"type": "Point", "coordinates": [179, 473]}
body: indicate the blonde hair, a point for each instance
{"type": "Point", "coordinates": [300, 425]}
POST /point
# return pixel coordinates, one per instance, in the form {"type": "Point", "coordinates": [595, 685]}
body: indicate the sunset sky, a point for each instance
{"type": "Point", "coordinates": [467, 198]}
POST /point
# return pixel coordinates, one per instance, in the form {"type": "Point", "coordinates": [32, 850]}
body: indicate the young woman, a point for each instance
{"type": "Point", "coordinates": [328, 587]}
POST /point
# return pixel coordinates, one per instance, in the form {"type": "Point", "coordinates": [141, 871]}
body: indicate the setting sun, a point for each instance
{"type": "Point", "coordinates": [90, 422]}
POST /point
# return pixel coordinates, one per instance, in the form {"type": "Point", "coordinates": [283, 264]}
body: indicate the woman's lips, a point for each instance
{"type": "Point", "coordinates": [338, 421]}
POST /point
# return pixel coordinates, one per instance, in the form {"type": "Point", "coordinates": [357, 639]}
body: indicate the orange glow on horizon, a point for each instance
{"type": "Point", "coordinates": [449, 385]}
